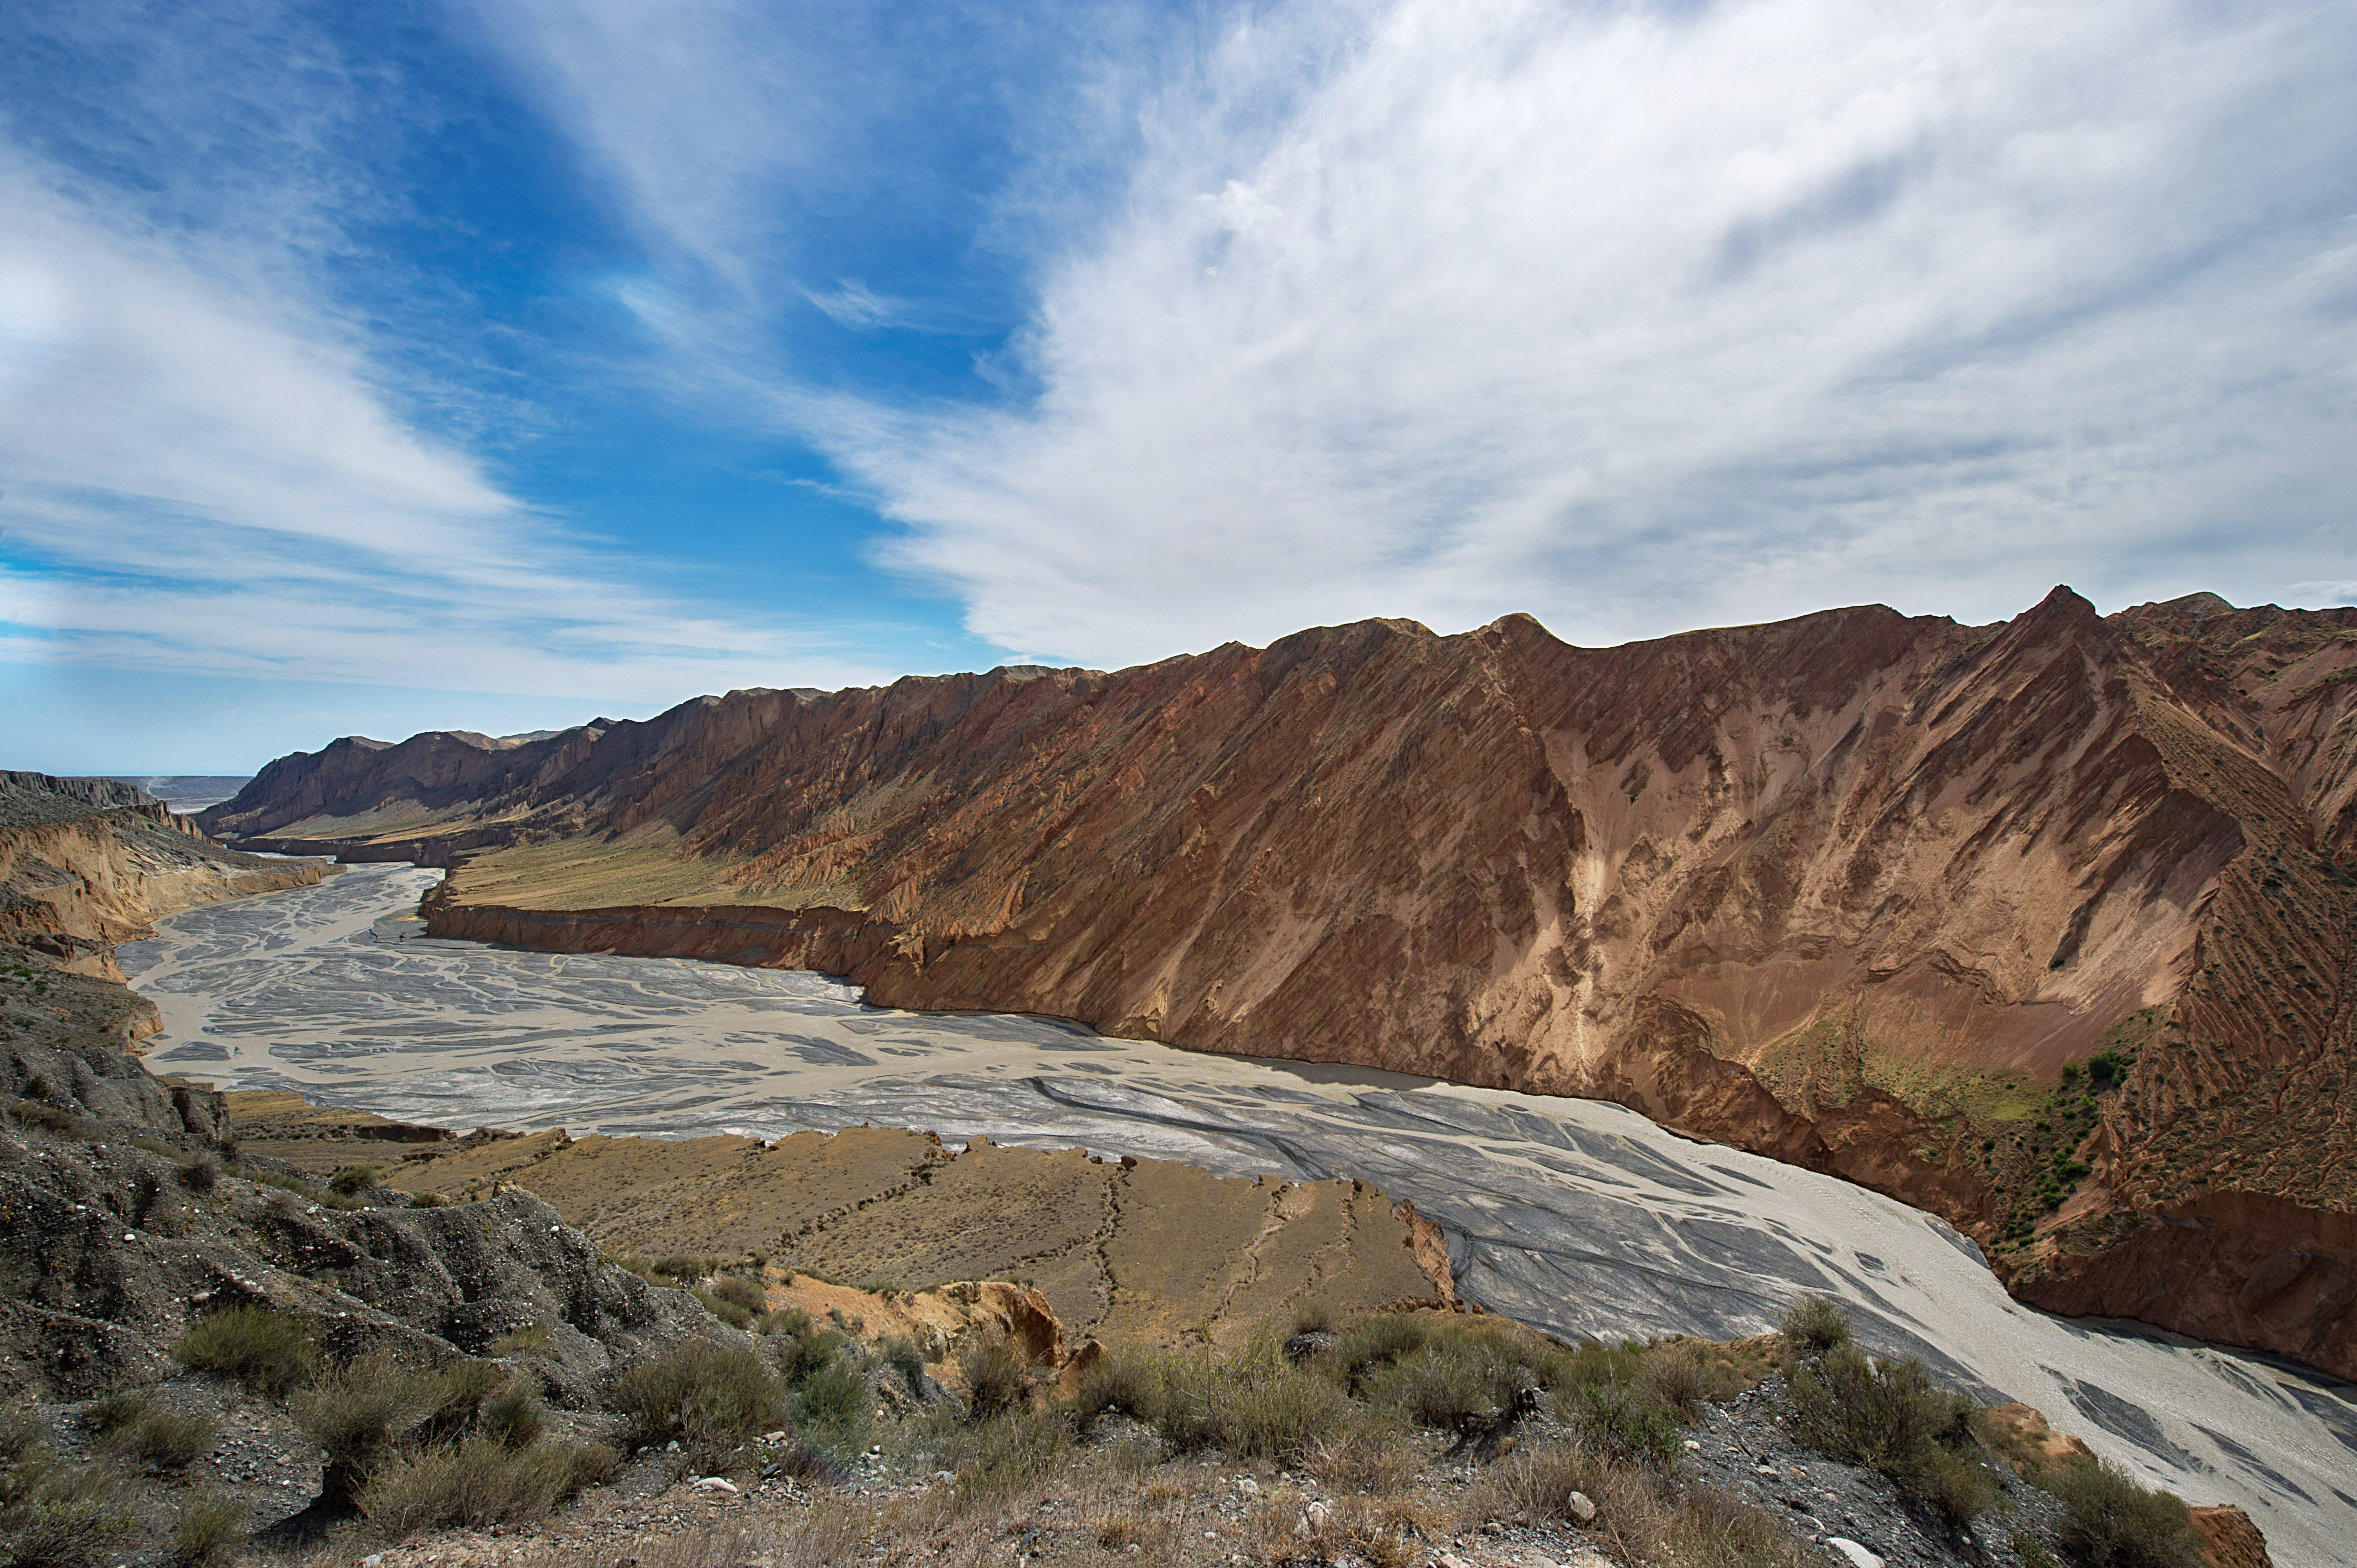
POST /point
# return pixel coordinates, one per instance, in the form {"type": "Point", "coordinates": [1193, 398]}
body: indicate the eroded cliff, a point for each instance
{"type": "Point", "coordinates": [1852, 890]}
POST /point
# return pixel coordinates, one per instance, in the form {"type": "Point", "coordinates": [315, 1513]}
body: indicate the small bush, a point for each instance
{"type": "Point", "coordinates": [831, 1406]}
{"type": "Point", "coordinates": [738, 1290]}
{"type": "Point", "coordinates": [206, 1531]}
{"type": "Point", "coordinates": [200, 1172]}
{"type": "Point", "coordinates": [678, 1266]}
{"type": "Point", "coordinates": [727, 1311]}
{"type": "Point", "coordinates": [148, 1433]}
{"type": "Point", "coordinates": [1536, 1483]}
{"type": "Point", "coordinates": [1621, 1420]}
{"type": "Point", "coordinates": [1893, 1418]}
{"type": "Point", "coordinates": [996, 1380]}
{"type": "Point", "coordinates": [352, 1180]}
{"type": "Point", "coordinates": [2112, 1522]}
{"type": "Point", "coordinates": [454, 1397]}
{"type": "Point", "coordinates": [1372, 1452]}
{"type": "Point", "coordinates": [900, 1352]}
{"type": "Point", "coordinates": [530, 1338]}
{"type": "Point", "coordinates": [268, 1351]}
{"type": "Point", "coordinates": [1815, 1324]}
{"type": "Point", "coordinates": [1378, 1341]}
{"type": "Point", "coordinates": [1252, 1404]}
{"type": "Point", "coordinates": [1594, 1363]}
{"type": "Point", "coordinates": [478, 1483]}
{"type": "Point", "coordinates": [1711, 1529]}
{"type": "Point", "coordinates": [1007, 1454]}
{"type": "Point", "coordinates": [1435, 1387]}
{"type": "Point", "coordinates": [513, 1418]}
{"type": "Point", "coordinates": [357, 1413]}
{"type": "Point", "coordinates": [720, 1389]}
{"type": "Point", "coordinates": [1682, 1378]}
{"type": "Point", "coordinates": [792, 1321]}
{"type": "Point", "coordinates": [1314, 1315]}
{"type": "Point", "coordinates": [1124, 1379]}
{"type": "Point", "coordinates": [55, 1515]}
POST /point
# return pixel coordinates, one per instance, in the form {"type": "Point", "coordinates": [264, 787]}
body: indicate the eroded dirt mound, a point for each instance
{"type": "Point", "coordinates": [1143, 1251]}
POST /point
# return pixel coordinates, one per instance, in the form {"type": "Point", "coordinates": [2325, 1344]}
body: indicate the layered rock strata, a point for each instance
{"type": "Point", "coordinates": [1851, 890]}
{"type": "Point", "coordinates": [88, 863]}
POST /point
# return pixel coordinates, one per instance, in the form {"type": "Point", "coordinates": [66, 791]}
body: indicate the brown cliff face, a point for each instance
{"type": "Point", "coordinates": [1850, 890]}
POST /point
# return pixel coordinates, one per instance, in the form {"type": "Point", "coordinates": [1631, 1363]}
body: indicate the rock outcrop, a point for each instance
{"type": "Point", "coordinates": [1852, 890]}
{"type": "Point", "coordinates": [87, 862]}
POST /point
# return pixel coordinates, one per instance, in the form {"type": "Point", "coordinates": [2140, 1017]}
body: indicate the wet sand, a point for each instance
{"type": "Point", "coordinates": [1580, 1217]}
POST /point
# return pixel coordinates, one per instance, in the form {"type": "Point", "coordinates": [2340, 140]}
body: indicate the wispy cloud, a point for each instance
{"type": "Point", "coordinates": [212, 466]}
{"type": "Point", "coordinates": [1636, 316]}
{"type": "Point", "coordinates": [1641, 320]}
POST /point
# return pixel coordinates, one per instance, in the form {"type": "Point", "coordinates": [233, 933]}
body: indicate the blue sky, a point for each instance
{"type": "Point", "coordinates": [371, 369]}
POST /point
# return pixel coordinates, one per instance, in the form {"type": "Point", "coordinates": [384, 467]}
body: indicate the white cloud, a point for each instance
{"type": "Point", "coordinates": [216, 482]}
{"type": "Point", "coordinates": [1643, 320]}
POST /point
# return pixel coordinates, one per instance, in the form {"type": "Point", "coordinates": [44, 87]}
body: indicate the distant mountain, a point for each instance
{"type": "Point", "coordinates": [2044, 925]}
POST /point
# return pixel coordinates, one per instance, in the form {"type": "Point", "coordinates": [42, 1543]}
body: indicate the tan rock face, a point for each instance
{"type": "Point", "coordinates": [1849, 890]}
{"type": "Point", "coordinates": [87, 863]}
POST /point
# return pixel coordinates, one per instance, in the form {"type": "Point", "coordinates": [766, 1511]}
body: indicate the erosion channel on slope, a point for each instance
{"type": "Point", "coordinates": [1576, 1216]}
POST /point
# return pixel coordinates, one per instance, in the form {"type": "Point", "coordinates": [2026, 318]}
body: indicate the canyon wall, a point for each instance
{"type": "Point", "coordinates": [88, 863]}
{"type": "Point", "coordinates": [2043, 925]}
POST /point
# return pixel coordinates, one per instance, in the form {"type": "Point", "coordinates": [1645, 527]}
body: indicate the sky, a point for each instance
{"type": "Point", "coordinates": [500, 366]}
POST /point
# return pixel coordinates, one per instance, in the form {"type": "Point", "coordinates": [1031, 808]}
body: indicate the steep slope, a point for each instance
{"type": "Point", "coordinates": [88, 863]}
{"type": "Point", "coordinates": [1853, 890]}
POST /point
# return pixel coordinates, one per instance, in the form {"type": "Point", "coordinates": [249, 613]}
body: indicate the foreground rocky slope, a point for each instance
{"type": "Point", "coordinates": [1851, 890]}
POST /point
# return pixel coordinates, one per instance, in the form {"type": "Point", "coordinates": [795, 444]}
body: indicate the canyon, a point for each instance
{"type": "Point", "coordinates": [2043, 927]}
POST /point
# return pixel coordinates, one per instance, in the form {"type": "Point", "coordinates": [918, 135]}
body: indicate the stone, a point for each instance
{"type": "Point", "coordinates": [1581, 1507]}
{"type": "Point", "coordinates": [1859, 1557]}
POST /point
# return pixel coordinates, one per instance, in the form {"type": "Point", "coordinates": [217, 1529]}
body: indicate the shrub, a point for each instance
{"type": "Point", "coordinates": [55, 1515]}
{"type": "Point", "coordinates": [1434, 1387]}
{"type": "Point", "coordinates": [513, 1418]}
{"type": "Point", "coordinates": [728, 1312]}
{"type": "Point", "coordinates": [792, 1321]}
{"type": "Point", "coordinates": [1123, 1380]}
{"type": "Point", "coordinates": [1682, 1378]}
{"type": "Point", "coordinates": [1621, 1419]}
{"type": "Point", "coordinates": [1711, 1529]}
{"type": "Point", "coordinates": [1378, 1341]}
{"type": "Point", "coordinates": [206, 1531]}
{"type": "Point", "coordinates": [478, 1483]}
{"type": "Point", "coordinates": [524, 1341]}
{"type": "Point", "coordinates": [831, 1406]}
{"type": "Point", "coordinates": [718, 1390]}
{"type": "Point", "coordinates": [1893, 1418]}
{"type": "Point", "coordinates": [352, 1180]}
{"type": "Point", "coordinates": [738, 1290]}
{"type": "Point", "coordinates": [454, 1396]}
{"type": "Point", "coordinates": [678, 1266]}
{"type": "Point", "coordinates": [136, 1428]}
{"type": "Point", "coordinates": [1536, 1483]}
{"type": "Point", "coordinates": [900, 1352]}
{"type": "Point", "coordinates": [1252, 1404]}
{"type": "Point", "coordinates": [1314, 1315]}
{"type": "Point", "coordinates": [268, 1351]}
{"type": "Point", "coordinates": [357, 1413]}
{"type": "Point", "coordinates": [200, 1172]}
{"type": "Point", "coordinates": [996, 1380]}
{"type": "Point", "coordinates": [1815, 1324]}
{"type": "Point", "coordinates": [2112, 1522]}
{"type": "Point", "coordinates": [1372, 1453]}
{"type": "Point", "coordinates": [1007, 1454]}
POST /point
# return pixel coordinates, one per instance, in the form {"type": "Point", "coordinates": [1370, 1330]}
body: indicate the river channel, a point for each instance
{"type": "Point", "coordinates": [1579, 1217]}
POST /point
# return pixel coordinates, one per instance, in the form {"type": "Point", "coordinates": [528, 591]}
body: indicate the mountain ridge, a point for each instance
{"type": "Point", "coordinates": [1851, 889]}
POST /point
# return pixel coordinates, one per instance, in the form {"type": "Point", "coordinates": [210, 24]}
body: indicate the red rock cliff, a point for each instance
{"type": "Point", "coordinates": [1851, 890]}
